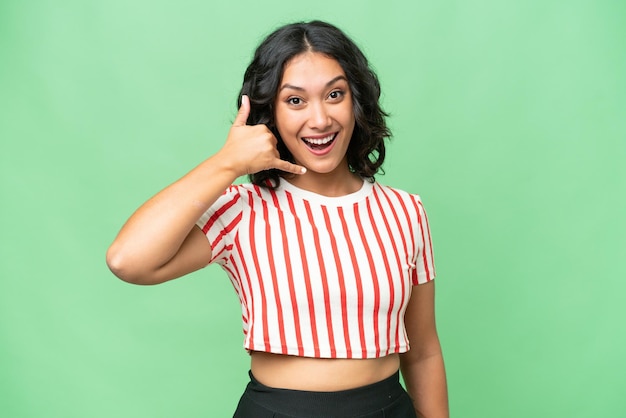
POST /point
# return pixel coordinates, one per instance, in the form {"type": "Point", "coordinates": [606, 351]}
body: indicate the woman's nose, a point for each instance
{"type": "Point", "coordinates": [319, 117]}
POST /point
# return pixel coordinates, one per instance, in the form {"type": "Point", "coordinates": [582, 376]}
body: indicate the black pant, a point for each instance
{"type": "Point", "coordinates": [386, 398]}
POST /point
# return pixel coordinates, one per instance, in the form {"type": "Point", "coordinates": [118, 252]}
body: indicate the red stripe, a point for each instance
{"type": "Point", "coordinates": [430, 242]}
{"type": "Point", "coordinates": [425, 261]}
{"type": "Point", "coordinates": [250, 308]}
{"type": "Point", "coordinates": [370, 259]}
{"type": "Point", "coordinates": [244, 293]}
{"type": "Point", "coordinates": [359, 284]}
{"type": "Point", "coordinates": [273, 277]}
{"type": "Point", "coordinates": [226, 231]}
{"type": "Point", "coordinates": [289, 271]}
{"type": "Point", "coordinates": [396, 253]}
{"type": "Point", "coordinates": [341, 279]}
{"type": "Point", "coordinates": [331, 335]}
{"type": "Point", "coordinates": [405, 211]}
{"type": "Point", "coordinates": [235, 282]}
{"type": "Point", "coordinates": [266, 337]}
{"type": "Point", "coordinates": [408, 251]}
{"type": "Point", "coordinates": [307, 280]}
{"type": "Point", "coordinates": [224, 249]}
{"type": "Point", "coordinates": [218, 213]}
{"type": "Point", "coordinates": [381, 245]}
{"type": "Point", "coordinates": [414, 278]}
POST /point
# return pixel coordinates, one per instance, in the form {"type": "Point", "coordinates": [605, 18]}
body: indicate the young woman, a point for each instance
{"type": "Point", "coordinates": [333, 270]}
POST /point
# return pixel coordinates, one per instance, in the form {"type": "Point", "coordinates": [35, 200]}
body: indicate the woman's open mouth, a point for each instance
{"type": "Point", "coordinates": [320, 144]}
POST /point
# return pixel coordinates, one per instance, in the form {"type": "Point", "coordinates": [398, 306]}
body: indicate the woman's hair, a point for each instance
{"type": "Point", "coordinates": [366, 151]}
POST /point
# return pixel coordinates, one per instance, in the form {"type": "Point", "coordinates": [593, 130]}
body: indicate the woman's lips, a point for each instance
{"type": "Point", "coordinates": [320, 144]}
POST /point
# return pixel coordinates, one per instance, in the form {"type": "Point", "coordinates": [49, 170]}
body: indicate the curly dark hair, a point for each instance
{"type": "Point", "coordinates": [366, 151]}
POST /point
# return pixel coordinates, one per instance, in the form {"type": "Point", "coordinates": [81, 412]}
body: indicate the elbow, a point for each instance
{"type": "Point", "coordinates": [124, 268]}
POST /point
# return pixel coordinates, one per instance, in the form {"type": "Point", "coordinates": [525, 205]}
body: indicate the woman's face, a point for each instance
{"type": "Point", "coordinates": [314, 114]}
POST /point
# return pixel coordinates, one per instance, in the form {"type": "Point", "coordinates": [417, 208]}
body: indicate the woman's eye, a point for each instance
{"type": "Point", "coordinates": [294, 101]}
{"type": "Point", "coordinates": [335, 94]}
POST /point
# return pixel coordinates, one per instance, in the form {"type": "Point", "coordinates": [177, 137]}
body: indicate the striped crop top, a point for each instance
{"type": "Point", "coordinates": [317, 276]}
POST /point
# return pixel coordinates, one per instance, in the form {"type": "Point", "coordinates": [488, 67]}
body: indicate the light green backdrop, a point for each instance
{"type": "Point", "coordinates": [509, 119]}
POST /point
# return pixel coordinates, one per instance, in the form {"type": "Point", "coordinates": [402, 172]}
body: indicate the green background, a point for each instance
{"type": "Point", "coordinates": [509, 118]}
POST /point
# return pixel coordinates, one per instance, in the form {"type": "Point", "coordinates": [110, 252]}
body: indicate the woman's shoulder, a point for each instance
{"type": "Point", "coordinates": [398, 192]}
{"type": "Point", "coordinates": [240, 188]}
{"type": "Point", "coordinates": [245, 192]}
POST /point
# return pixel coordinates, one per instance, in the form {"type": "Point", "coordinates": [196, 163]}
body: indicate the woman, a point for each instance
{"type": "Point", "coordinates": [333, 270]}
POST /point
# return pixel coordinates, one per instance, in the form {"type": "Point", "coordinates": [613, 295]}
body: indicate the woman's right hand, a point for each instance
{"type": "Point", "coordinates": [252, 148]}
{"type": "Point", "coordinates": [160, 241]}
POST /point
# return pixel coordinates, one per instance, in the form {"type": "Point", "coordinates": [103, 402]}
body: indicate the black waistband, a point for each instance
{"type": "Point", "coordinates": [352, 402]}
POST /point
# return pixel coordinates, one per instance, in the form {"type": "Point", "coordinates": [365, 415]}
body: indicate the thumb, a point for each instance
{"type": "Point", "coordinates": [244, 111]}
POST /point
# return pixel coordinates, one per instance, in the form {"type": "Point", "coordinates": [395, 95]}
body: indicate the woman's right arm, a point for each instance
{"type": "Point", "coordinates": [160, 241]}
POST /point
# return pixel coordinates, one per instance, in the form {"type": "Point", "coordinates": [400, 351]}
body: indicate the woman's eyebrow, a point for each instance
{"type": "Point", "coordinates": [331, 82]}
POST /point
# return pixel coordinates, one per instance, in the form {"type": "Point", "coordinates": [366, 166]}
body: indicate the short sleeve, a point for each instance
{"type": "Point", "coordinates": [220, 222]}
{"type": "Point", "coordinates": [424, 259]}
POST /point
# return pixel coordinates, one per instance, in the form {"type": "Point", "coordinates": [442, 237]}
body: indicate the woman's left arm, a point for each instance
{"type": "Point", "coordinates": [422, 366]}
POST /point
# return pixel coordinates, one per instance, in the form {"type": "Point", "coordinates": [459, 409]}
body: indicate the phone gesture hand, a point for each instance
{"type": "Point", "coordinates": [252, 148]}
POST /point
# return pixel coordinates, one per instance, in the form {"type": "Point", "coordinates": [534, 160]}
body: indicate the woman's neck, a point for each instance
{"type": "Point", "coordinates": [327, 184]}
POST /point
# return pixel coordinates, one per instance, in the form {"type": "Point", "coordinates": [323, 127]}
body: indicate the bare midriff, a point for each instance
{"type": "Point", "coordinates": [320, 374]}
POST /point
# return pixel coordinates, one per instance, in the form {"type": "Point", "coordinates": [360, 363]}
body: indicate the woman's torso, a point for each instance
{"type": "Point", "coordinates": [320, 277]}
{"type": "Point", "coordinates": [319, 374]}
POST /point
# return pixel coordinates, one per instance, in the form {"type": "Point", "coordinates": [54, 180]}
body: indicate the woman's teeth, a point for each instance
{"type": "Point", "coordinates": [320, 141]}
